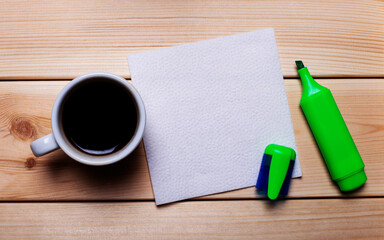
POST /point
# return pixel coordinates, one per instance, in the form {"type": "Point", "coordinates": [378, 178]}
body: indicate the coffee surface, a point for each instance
{"type": "Point", "coordinates": [99, 117]}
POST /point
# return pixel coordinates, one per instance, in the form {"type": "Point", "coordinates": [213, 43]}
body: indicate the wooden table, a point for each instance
{"type": "Point", "coordinates": [45, 44]}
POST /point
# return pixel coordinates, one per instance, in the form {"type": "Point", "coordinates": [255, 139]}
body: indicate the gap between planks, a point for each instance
{"type": "Point", "coordinates": [199, 200]}
{"type": "Point", "coordinates": [129, 79]}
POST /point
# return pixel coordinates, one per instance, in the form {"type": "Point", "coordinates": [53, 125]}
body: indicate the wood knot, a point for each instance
{"type": "Point", "coordinates": [30, 163]}
{"type": "Point", "coordinates": [22, 128]}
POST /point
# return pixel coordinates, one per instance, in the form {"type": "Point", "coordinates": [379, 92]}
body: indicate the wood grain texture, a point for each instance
{"type": "Point", "coordinates": [298, 219]}
{"type": "Point", "coordinates": [64, 39]}
{"type": "Point", "coordinates": [25, 116]}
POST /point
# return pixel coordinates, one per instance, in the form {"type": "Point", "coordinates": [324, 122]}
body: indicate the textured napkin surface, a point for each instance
{"type": "Point", "coordinates": [212, 108]}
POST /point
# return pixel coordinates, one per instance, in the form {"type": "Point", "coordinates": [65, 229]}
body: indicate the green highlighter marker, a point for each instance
{"type": "Point", "coordinates": [331, 133]}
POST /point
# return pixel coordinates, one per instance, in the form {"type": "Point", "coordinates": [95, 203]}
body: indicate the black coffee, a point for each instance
{"type": "Point", "coordinates": [99, 117]}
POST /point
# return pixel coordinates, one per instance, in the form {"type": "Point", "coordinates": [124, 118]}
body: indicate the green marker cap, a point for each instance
{"type": "Point", "coordinates": [279, 169]}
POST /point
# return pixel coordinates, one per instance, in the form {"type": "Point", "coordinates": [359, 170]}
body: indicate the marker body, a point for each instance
{"type": "Point", "coordinates": [331, 133]}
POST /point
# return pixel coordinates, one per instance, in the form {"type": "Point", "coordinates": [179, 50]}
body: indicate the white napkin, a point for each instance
{"type": "Point", "coordinates": [212, 108]}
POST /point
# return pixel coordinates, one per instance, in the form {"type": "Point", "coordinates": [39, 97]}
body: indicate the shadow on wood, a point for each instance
{"type": "Point", "coordinates": [96, 180]}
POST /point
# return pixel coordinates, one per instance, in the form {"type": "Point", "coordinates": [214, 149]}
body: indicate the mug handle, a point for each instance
{"type": "Point", "coordinates": [44, 145]}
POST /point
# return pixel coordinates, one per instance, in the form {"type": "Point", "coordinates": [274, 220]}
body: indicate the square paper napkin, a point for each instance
{"type": "Point", "coordinates": [212, 108]}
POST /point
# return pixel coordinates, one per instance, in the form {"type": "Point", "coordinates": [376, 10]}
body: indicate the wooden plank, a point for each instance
{"type": "Point", "coordinates": [25, 115]}
{"type": "Point", "coordinates": [64, 39]}
{"type": "Point", "coordinates": [298, 219]}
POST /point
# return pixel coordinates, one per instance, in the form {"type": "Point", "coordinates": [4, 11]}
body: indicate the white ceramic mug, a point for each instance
{"type": "Point", "coordinates": [57, 138]}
